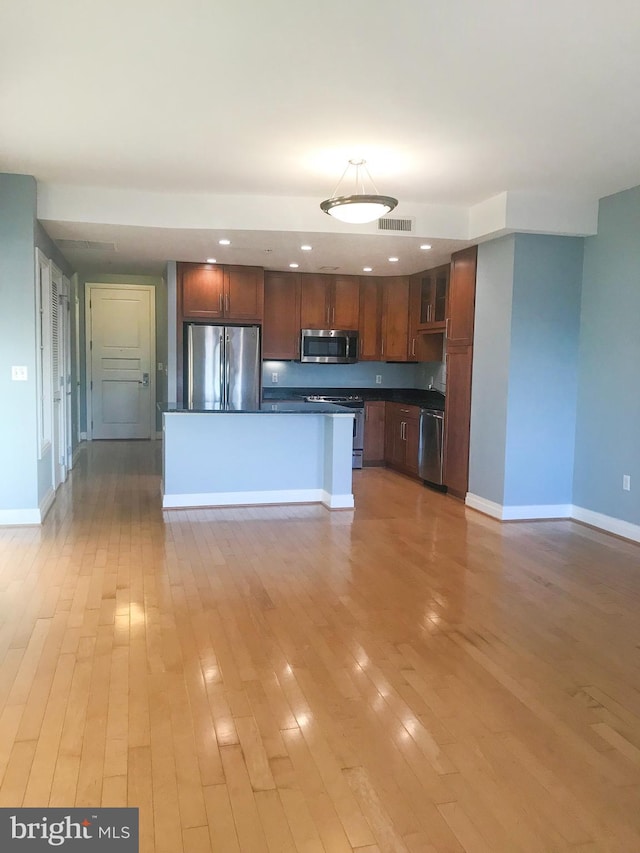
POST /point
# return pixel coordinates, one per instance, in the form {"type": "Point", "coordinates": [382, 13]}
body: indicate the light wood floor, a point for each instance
{"type": "Point", "coordinates": [411, 676]}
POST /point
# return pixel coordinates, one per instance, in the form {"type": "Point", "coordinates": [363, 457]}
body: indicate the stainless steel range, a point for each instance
{"type": "Point", "coordinates": [356, 403]}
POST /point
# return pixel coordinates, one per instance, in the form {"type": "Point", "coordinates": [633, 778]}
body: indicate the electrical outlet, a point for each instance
{"type": "Point", "coordinates": [274, 378]}
{"type": "Point", "coordinates": [19, 373]}
{"type": "Point", "coordinates": [378, 379]}
{"type": "Point", "coordinates": [626, 482]}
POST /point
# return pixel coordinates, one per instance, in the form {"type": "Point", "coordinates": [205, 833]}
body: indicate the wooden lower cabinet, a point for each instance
{"type": "Point", "coordinates": [456, 420]}
{"type": "Point", "coordinates": [402, 437]}
{"type": "Point", "coordinates": [374, 417]}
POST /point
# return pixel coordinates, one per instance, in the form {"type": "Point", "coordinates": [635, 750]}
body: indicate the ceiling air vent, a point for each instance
{"type": "Point", "coordinates": [388, 223]}
{"type": "Point", "coordinates": [328, 269]}
{"type": "Point", "coordinates": [85, 245]}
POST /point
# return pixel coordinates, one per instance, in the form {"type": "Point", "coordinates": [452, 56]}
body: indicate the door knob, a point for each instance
{"type": "Point", "coordinates": [144, 381]}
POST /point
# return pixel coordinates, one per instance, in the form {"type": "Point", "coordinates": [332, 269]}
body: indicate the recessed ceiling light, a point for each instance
{"type": "Point", "coordinates": [211, 260]}
{"type": "Point", "coordinates": [306, 248]}
{"type": "Point", "coordinates": [224, 242]}
{"type": "Point", "coordinates": [294, 266]}
{"type": "Point", "coordinates": [425, 246]}
{"type": "Point", "coordinates": [367, 269]}
{"type": "Point", "coordinates": [393, 260]}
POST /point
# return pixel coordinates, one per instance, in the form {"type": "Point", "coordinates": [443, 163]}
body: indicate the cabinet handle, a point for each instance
{"type": "Point", "coordinates": [413, 347]}
{"type": "Point", "coordinates": [328, 316]}
{"type": "Point", "coordinates": [333, 315]}
{"type": "Point", "coordinates": [220, 302]}
{"type": "Point", "coordinates": [446, 329]}
{"type": "Point", "coordinates": [228, 301]}
{"type": "Point", "coordinates": [382, 347]}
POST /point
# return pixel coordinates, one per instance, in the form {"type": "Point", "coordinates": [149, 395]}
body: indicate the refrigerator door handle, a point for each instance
{"type": "Point", "coordinates": [223, 387]}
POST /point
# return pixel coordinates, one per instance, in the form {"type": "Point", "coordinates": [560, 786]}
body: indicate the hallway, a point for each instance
{"type": "Point", "coordinates": [409, 676]}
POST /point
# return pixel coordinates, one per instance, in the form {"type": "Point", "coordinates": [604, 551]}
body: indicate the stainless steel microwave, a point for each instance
{"type": "Point", "coordinates": [329, 346]}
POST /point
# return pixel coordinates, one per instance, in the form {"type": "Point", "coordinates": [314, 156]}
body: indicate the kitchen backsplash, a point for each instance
{"type": "Point", "coordinates": [293, 374]}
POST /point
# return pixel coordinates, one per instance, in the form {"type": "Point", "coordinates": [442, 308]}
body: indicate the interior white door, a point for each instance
{"type": "Point", "coordinates": [122, 394]}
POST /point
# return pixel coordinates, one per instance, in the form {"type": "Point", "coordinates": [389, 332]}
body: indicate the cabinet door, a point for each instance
{"type": "Point", "coordinates": [395, 318]}
{"type": "Point", "coordinates": [315, 301]}
{"type": "Point", "coordinates": [456, 420]}
{"type": "Point", "coordinates": [244, 293]}
{"type": "Point", "coordinates": [412, 445]}
{"type": "Point", "coordinates": [415, 293]}
{"type": "Point", "coordinates": [202, 290]}
{"type": "Point", "coordinates": [461, 297]}
{"type": "Point", "coordinates": [369, 324]}
{"type": "Point", "coordinates": [393, 446]}
{"type": "Point", "coordinates": [281, 326]}
{"type": "Point", "coordinates": [374, 423]}
{"type": "Point", "coordinates": [346, 302]}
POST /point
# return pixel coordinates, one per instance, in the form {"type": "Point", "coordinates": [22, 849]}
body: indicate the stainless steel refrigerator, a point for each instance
{"type": "Point", "coordinates": [223, 366]}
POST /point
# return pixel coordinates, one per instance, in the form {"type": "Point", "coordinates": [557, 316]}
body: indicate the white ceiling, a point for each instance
{"type": "Point", "coordinates": [451, 103]}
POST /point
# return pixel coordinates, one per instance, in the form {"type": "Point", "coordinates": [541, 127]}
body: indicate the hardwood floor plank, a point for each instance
{"type": "Point", "coordinates": [407, 676]}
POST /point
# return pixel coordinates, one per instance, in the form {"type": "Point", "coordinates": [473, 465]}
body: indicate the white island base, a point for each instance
{"type": "Point", "coordinates": [246, 458]}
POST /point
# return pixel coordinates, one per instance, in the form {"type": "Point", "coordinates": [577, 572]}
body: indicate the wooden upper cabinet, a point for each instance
{"type": "Point", "coordinates": [281, 326]}
{"type": "Point", "coordinates": [462, 297]}
{"type": "Point", "coordinates": [213, 292]}
{"type": "Point", "coordinates": [370, 322]}
{"type": "Point", "coordinates": [345, 302]}
{"type": "Point", "coordinates": [202, 291]}
{"type": "Point", "coordinates": [329, 301]}
{"type": "Point", "coordinates": [432, 308]}
{"type": "Point", "coordinates": [244, 293]}
{"type": "Point", "coordinates": [395, 318]}
{"type": "Point", "coordinates": [315, 301]}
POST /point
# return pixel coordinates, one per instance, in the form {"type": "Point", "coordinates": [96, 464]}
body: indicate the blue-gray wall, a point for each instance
{"type": "Point", "coordinates": [18, 425]}
{"type": "Point", "coordinates": [523, 416]}
{"type": "Point", "coordinates": [543, 368]}
{"type": "Point", "coordinates": [293, 374]}
{"type": "Point", "coordinates": [608, 428]}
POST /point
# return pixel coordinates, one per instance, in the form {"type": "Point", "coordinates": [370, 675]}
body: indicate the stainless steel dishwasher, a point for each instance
{"type": "Point", "coordinates": [431, 446]}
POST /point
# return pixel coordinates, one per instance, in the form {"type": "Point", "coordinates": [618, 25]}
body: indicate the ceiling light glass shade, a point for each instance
{"type": "Point", "coordinates": [361, 206]}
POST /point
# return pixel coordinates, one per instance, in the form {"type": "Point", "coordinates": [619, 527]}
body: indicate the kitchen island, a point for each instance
{"type": "Point", "coordinates": [282, 452]}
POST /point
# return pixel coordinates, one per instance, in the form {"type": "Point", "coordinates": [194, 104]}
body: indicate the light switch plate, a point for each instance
{"type": "Point", "coordinates": [19, 373]}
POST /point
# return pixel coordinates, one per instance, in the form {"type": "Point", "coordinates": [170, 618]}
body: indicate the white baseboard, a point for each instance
{"type": "Point", "coordinates": [607, 522]}
{"type": "Point", "coordinates": [76, 454]}
{"type": "Point", "coordinates": [484, 505]}
{"type": "Point", "coordinates": [83, 436]}
{"type": "Point", "coordinates": [337, 501]}
{"type": "Point", "coordinates": [577, 513]}
{"type": "Point", "coordinates": [518, 513]}
{"type": "Point", "coordinates": [46, 503]}
{"type": "Point", "coordinates": [275, 496]}
{"type": "Point", "coordinates": [19, 517]}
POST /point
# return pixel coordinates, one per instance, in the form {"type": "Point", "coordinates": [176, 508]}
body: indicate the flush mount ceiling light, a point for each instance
{"type": "Point", "coordinates": [361, 206]}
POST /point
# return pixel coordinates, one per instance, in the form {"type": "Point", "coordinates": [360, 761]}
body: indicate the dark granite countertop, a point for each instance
{"type": "Point", "coordinates": [410, 396]}
{"type": "Point", "coordinates": [284, 406]}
